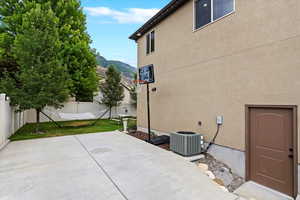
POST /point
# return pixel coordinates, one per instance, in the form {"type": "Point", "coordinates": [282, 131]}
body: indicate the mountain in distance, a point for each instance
{"type": "Point", "coordinates": [126, 69]}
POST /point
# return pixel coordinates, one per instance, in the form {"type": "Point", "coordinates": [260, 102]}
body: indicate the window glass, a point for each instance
{"type": "Point", "coordinates": [148, 44]}
{"type": "Point", "coordinates": [152, 41]}
{"type": "Point", "coordinates": [222, 8]}
{"type": "Point", "coordinates": [203, 12]}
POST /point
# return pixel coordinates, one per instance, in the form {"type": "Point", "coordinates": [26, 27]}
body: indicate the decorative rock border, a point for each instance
{"type": "Point", "coordinates": [220, 173]}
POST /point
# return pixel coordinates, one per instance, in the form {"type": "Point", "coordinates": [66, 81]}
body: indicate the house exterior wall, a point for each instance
{"type": "Point", "coordinates": [249, 57]}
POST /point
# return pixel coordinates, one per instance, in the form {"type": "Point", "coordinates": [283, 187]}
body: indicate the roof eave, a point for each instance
{"type": "Point", "coordinates": [160, 16]}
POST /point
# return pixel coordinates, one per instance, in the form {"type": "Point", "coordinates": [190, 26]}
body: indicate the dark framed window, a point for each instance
{"type": "Point", "coordinates": [150, 42]}
{"type": "Point", "coordinates": [222, 8]}
{"type": "Point", "coordinates": [208, 11]}
{"type": "Point", "coordinates": [152, 49]}
{"type": "Point", "coordinates": [203, 12]}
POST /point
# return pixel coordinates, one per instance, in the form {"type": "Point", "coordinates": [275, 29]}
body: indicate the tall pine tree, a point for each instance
{"type": "Point", "coordinates": [42, 79]}
{"type": "Point", "coordinates": [111, 89]}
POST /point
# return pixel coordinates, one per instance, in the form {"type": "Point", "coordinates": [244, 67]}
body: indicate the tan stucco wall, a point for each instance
{"type": "Point", "coordinates": [249, 57]}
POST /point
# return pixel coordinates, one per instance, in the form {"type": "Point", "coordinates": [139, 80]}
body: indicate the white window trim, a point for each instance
{"type": "Point", "coordinates": [149, 33]}
{"type": "Point", "coordinates": [212, 15]}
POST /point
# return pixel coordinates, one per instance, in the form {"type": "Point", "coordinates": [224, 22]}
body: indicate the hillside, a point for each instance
{"type": "Point", "coordinates": [127, 82]}
{"type": "Point", "coordinates": [125, 69]}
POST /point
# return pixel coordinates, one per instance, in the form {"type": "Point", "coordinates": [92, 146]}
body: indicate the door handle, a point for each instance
{"type": "Point", "coordinates": [291, 156]}
{"type": "Point", "coordinates": [291, 149]}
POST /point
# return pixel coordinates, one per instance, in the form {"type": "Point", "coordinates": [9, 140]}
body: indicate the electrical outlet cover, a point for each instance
{"type": "Point", "coordinates": [220, 120]}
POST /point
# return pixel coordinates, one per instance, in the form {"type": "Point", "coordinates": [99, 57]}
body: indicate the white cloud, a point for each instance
{"type": "Point", "coordinates": [131, 15]}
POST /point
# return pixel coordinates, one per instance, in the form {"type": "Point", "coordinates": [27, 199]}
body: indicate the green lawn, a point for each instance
{"type": "Point", "coordinates": [49, 129]}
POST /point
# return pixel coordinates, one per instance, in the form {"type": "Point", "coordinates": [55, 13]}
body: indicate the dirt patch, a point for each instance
{"type": "Point", "coordinates": [223, 173]}
{"type": "Point", "coordinates": [78, 124]}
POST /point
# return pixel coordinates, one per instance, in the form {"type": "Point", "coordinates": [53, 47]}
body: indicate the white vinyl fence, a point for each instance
{"type": "Point", "coordinates": [10, 121]}
{"type": "Point", "coordinates": [80, 109]}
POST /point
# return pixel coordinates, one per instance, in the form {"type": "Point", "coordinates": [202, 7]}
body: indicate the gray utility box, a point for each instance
{"type": "Point", "coordinates": [186, 143]}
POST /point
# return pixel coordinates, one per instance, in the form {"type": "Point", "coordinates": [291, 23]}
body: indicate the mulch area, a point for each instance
{"type": "Point", "coordinates": [144, 136]}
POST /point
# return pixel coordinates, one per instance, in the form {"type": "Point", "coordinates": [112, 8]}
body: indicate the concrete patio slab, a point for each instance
{"type": "Point", "coordinates": [143, 171]}
{"type": "Point", "coordinates": [251, 190]}
{"type": "Point", "coordinates": [104, 166]}
{"type": "Point", "coordinates": [54, 168]}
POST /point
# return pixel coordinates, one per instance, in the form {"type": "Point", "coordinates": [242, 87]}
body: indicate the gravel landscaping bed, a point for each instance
{"type": "Point", "coordinates": [220, 173]}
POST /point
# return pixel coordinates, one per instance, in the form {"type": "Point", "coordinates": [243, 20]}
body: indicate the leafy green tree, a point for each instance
{"type": "Point", "coordinates": [42, 79]}
{"type": "Point", "coordinates": [111, 89]}
{"type": "Point", "coordinates": [8, 31]}
{"type": "Point", "coordinates": [75, 51]}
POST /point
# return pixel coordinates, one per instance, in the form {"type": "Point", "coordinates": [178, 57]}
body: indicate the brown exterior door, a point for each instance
{"type": "Point", "coordinates": [270, 146]}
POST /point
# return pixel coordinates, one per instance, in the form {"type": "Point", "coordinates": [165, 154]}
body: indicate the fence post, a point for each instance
{"type": "Point", "coordinates": [5, 120]}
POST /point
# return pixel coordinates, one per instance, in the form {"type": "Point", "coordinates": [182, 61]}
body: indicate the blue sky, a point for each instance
{"type": "Point", "coordinates": [110, 22]}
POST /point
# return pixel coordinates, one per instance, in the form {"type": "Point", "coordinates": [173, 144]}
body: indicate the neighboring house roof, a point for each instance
{"type": "Point", "coordinates": [160, 16]}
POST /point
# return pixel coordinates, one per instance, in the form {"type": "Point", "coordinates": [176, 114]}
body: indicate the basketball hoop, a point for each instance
{"type": "Point", "coordinates": [146, 76]}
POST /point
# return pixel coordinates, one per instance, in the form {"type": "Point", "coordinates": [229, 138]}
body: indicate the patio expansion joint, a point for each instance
{"type": "Point", "coordinates": [102, 168]}
{"type": "Point", "coordinates": [239, 198]}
